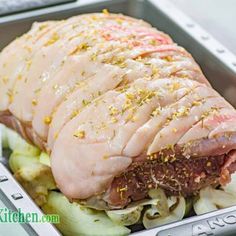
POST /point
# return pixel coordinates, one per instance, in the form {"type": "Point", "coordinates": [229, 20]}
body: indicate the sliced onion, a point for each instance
{"type": "Point", "coordinates": [213, 199]}
{"type": "Point", "coordinates": [44, 159]}
{"type": "Point", "coordinates": [153, 218]}
{"type": "Point", "coordinates": [10, 138]}
{"type": "Point", "coordinates": [128, 216]}
{"type": "Point", "coordinates": [231, 187]}
{"type": "Point", "coordinates": [161, 210]}
{"type": "Point", "coordinates": [162, 204]}
{"type": "Point", "coordinates": [131, 214]}
{"type": "Point", "coordinates": [13, 141]}
{"type": "Point", "coordinates": [222, 199]}
{"type": "Point", "coordinates": [3, 136]}
{"type": "Point", "coordinates": [203, 205]}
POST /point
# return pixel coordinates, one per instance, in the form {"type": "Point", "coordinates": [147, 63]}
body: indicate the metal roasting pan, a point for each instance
{"type": "Point", "coordinates": [216, 61]}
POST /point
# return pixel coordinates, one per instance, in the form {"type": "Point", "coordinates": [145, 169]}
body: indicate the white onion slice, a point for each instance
{"type": "Point", "coordinates": [231, 187]}
{"type": "Point", "coordinates": [132, 214]}
{"type": "Point", "coordinates": [212, 199]}
{"type": "Point", "coordinates": [152, 218]}
{"type": "Point", "coordinates": [128, 216]}
{"type": "Point", "coordinates": [204, 205]}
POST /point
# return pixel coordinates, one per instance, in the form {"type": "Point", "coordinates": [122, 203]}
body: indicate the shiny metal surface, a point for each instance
{"type": "Point", "coordinates": [215, 16]}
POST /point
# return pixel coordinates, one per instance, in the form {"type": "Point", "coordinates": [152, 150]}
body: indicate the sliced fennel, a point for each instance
{"type": "Point", "coordinates": [131, 214]}
{"type": "Point", "coordinates": [204, 205]}
{"type": "Point", "coordinates": [153, 218]}
{"type": "Point", "coordinates": [44, 159]}
{"type": "Point", "coordinates": [18, 161]}
{"type": "Point", "coordinates": [222, 199]}
{"type": "Point", "coordinates": [37, 180]}
{"type": "Point", "coordinates": [231, 187]}
{"type": "Point", "coordinates": [77, 220]}
{"type": "Point", "coordinates": [128, 216]}
{"type": "Point", "coordinates": [211, 199]}
{"type": "Point", "coordinates": [162, 204]}
{"type": "Point", "coordinates": [162, 210]}
{"type": "Point", "coordinates": [12, 140]}
{"type": "Point", "coordinates": [4, 137]}
{"type": "Point", "coordinates": [35, 177]}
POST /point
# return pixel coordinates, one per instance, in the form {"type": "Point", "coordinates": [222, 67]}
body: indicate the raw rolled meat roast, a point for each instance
{"type": "Point", "coordinates": [119, 107]}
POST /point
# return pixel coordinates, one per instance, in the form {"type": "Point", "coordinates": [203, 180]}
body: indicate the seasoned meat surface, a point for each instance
{"type": "Point", "coordinates": [118, 106]}
{"type": "Point", "coordinates": [181, 177]}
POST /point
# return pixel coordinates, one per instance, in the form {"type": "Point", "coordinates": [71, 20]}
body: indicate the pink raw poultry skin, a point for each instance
{"type": "Point", "coordinates": [120, 108]}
